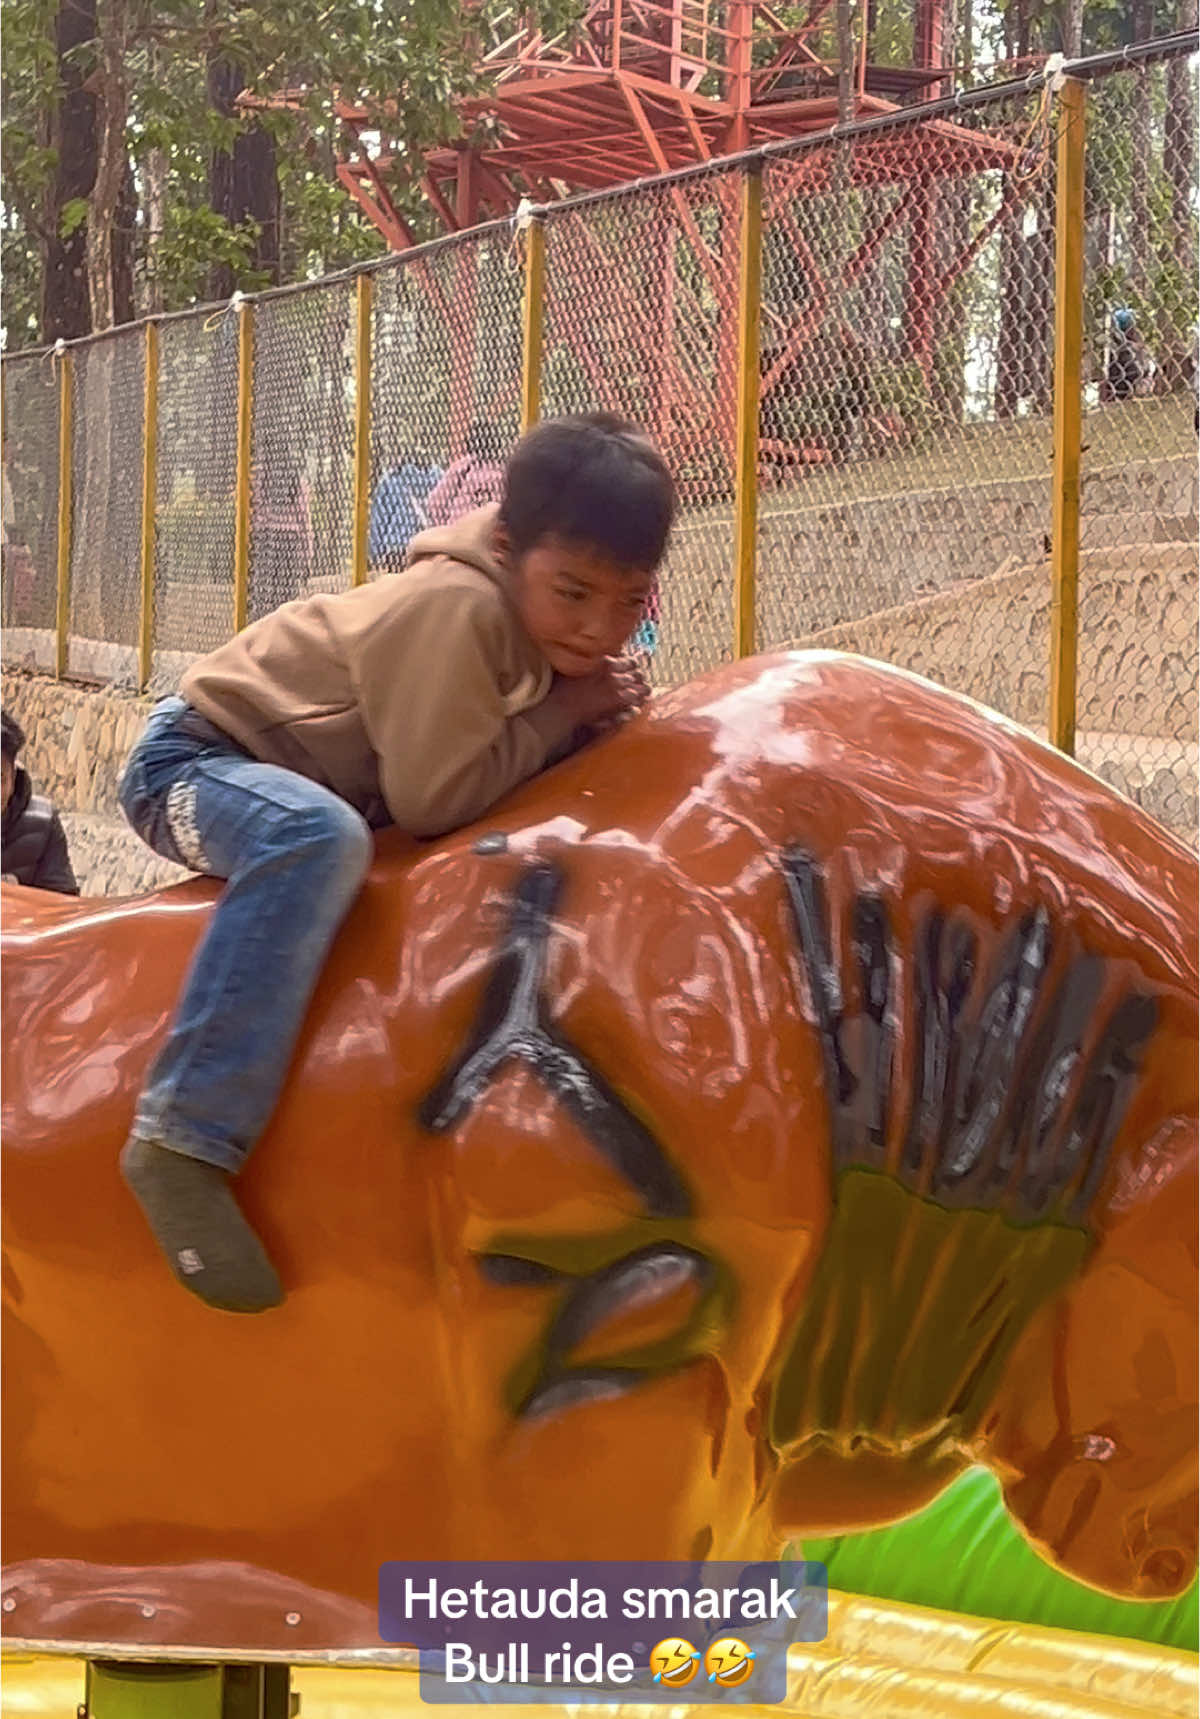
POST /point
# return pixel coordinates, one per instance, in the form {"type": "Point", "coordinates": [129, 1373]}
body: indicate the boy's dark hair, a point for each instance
{"type": "Point", "coordinates": [12, 736]}
{"type": "Point", "coordinates": [594, 480]}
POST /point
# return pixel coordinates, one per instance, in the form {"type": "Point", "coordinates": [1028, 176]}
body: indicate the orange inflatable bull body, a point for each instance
{"type": "Point", "coordinates": [761, 1117]}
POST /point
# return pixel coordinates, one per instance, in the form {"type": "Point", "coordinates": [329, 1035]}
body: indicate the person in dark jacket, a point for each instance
{"type": "Point", "coordinates": [33, 844]}
{"type": "Point", "coordinates": [1130, 367]}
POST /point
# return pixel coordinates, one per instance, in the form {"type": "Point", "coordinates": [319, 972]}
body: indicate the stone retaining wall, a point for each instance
{"type": "Point", "coordinates": [991, 639]}
{"type": "Point", "coordinates": [1137, 714]}
{"type": "Point", "coordinates": [823, 563]}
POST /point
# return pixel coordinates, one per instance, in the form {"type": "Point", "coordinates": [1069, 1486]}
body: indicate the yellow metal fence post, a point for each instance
{"type": "Point", "coordinates": [532, 322]}
{"type": "Point", "coordinates": [1068, 404]}
{"type": "Point", "coordinates": [746, 444]}
{"type": "Point", "coordinates": [241, 521]}
{"type": "Point", "coordinates": [62, 609]}
{"type": "Point", "coordinates": [362, 427]}
{"type": "Point", "coordinates": [149, 507]}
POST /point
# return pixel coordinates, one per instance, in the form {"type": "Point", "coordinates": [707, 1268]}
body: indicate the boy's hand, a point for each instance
{"type": "Point", "coordinates": [616, 690]}
{"type": "Point", "coordinates": [596, 702]}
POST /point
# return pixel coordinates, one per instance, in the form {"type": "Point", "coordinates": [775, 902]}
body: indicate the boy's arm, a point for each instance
{"type": "Point", "coordinates": [429, 686]}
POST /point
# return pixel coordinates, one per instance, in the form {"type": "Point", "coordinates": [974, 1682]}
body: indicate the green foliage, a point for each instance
{"type": "Point", "coordinates": [21, 271]}
{"type": "Point", "coordinates": [72, 215]}
{"type": "Point", "coordinates": [406, 62]}
{"type": "Point", "coordinates": [27, 91]}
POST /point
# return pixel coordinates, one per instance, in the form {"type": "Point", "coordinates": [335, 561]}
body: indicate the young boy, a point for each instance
{"type": "Point", "coordinates": [418, 700]}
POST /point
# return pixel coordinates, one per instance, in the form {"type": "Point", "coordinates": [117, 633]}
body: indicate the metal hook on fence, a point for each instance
{"type": "Point", "coordinates": [523, 217]}
{"type": "Point", "coordinates": [235, 303]}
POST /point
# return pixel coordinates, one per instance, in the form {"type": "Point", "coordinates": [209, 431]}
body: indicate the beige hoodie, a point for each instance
{"type": "Point", "coordinates": [405, 696]}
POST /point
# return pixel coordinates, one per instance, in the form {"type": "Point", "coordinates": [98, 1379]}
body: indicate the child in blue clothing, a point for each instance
{"type": "Point", "coordinates": [398, 511]}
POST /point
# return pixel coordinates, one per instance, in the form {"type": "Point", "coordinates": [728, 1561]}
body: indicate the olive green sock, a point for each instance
{"type": "Point", "coordinates": [197, 1223]}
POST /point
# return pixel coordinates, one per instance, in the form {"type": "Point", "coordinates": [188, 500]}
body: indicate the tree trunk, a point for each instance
{"type": "Point", "coordinates": [156, 211]}
{"type": "Point", "coordinates": [1072, 29]}
{"type": "Point", "coordinates": [96, 612]}
{"type": "Point", "coordinates": [1142, 13]}
{"type": "Point", "coordinates": [124, 237]}
{"type": "Point", "coordinates": [1179, 148]}
{"type": "Point", "coordinates": [66, 313]}
{"type": "Point", "coordinates": [845, 45]}
{"type": "Point", "coordinates": [154, 205]}
{"type": "Point", "coordinates": [112, 159]}
{"type": "Point", "coordinates": [243, 183]}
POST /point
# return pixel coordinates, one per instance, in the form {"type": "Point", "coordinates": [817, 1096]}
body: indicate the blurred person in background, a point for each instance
{"type": "Point", "coordinates": [473, 480]}
{"type": "Point", "coordinates": [1130, 366]}
{"type": "Point", "coordinates": [33, 844]}
{"type": "Point", "coordinates": [399, 510]}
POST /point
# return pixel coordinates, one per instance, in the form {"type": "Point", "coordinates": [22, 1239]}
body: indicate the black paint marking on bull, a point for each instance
{"type": "Point", "coordinates": [513, 1025]}
{"type": "Point", "coordinates": [1011, 1108]}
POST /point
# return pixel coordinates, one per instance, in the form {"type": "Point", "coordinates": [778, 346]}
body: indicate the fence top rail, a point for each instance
{"type": "Point", "coordinates": [1180, 45]}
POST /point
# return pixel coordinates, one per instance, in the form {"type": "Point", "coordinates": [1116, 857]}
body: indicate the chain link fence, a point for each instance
{"type": "Point", "coordinates": [907, 373]}
{"type": "Point", "coordinates": [109, 390]}
{"type": "Point", "coordinates": [446, 365]}
{"type": "Point", "coordinates": [904, 437]}
{"type": "Point", "coordinates": [641, 318]}
{"type": "Point", "coordinates": [30, 573]}
{"type": "Point", "coordinates": [301, 447]}
{"type": "Point", "coordinates": [196, 480]}
{"type": "Point", "coordinates": [1138, 697]}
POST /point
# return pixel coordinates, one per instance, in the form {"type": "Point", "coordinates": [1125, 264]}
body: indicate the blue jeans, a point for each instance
{"type": "Point", "coordinates": [295, 856]}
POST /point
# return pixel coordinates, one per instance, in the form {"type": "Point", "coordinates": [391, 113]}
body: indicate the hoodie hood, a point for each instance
{"type": "Point", "coordinates": [470, 539]}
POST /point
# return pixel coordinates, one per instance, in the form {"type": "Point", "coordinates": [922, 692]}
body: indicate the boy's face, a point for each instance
{"type": "Point", "coordinates": [8, 780]}
{"type": "Point", "coordinates": [576, 606]}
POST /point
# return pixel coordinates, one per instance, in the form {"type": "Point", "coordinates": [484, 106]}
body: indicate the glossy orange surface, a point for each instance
{"type": "Point", "coordinates": [842, 1130]}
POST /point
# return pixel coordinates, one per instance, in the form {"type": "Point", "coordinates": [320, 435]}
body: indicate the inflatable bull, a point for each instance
{"type": "Point", "coordinates": [762, 1117]}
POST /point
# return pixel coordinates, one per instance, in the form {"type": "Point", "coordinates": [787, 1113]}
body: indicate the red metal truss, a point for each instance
{"type": "Point", "coordinates": [645, 86]}
{"type": "Point", "coordinates": [639, 87]}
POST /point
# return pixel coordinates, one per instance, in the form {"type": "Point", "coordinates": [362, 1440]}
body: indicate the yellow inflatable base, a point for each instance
{"type": "Point", "coordinates": [880, 1660]}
